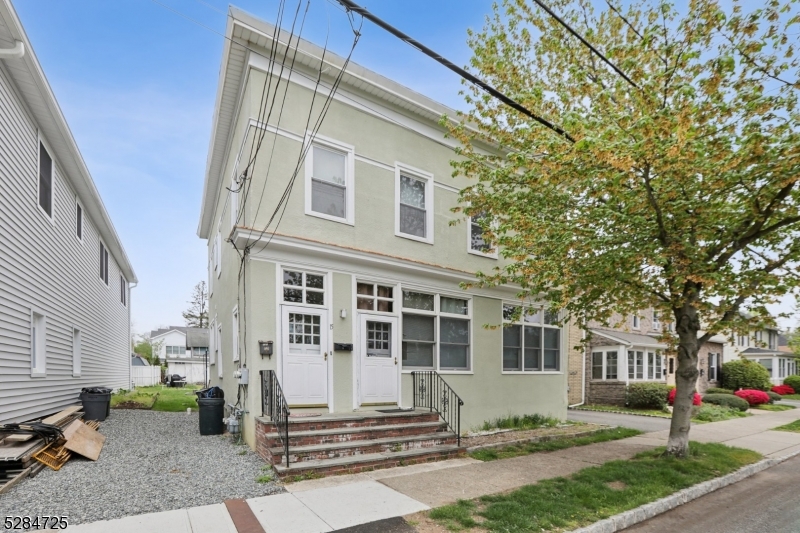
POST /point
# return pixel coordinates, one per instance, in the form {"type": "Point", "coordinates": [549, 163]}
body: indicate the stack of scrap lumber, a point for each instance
{"type": "Point", "coordinates": [17, 451]}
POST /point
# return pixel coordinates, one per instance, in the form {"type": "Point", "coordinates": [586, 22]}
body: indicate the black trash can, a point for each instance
{"type": "Point", "coordinates": [96, 403]}
{"type": "Point", "coordinates": [212, 411]}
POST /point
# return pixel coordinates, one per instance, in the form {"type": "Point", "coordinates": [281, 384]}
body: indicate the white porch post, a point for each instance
{"type": "Point", "coordinates": [623, 358]}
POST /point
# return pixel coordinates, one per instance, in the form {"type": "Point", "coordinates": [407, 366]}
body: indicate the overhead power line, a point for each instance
{"type": "Point", "coordinates": [351, 6]}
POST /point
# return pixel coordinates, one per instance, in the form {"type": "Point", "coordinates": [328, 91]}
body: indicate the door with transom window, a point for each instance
{"type": "Point", "coordinates": [305, 356]}
{"type": "Point", "coordinates": [380, 368]}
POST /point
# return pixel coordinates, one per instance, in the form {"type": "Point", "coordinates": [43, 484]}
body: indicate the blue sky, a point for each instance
{"type": "Point", "coordinates": [137, 83]}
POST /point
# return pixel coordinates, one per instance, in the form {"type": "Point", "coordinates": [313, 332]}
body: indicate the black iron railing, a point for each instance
{"type": "Point", "coordinates": [433, 392]}
{"type": "Point", "coordinates": [273, 405]}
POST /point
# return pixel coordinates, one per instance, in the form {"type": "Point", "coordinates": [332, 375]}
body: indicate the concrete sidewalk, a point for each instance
{"type": "Point", "coordinates": [341, 502]}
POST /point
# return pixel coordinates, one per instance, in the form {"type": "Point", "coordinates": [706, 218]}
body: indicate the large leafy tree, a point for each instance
{"type": "Point", "coordinates": [675, 188]}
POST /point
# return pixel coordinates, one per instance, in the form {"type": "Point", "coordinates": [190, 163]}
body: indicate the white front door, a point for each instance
{"type": "Point", "coordinates": [380, 368]}
{"type": "Point", "coordinates": [304, 341]}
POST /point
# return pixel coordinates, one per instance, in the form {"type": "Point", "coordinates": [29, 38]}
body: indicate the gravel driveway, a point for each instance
{"type": "Point", "coordinates": [151, 461]}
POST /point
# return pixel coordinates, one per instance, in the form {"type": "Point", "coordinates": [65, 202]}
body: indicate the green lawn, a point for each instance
{"type": "Point", "coordinates": [706, 413]}
{"type": "Point", "coordinates": [593, 493]}
{"type": "Point", "coordinates": [773, 407]}
{"type": "Point", "coordinates": [168, 398]}
{"type": "Point", "coordinates": [515, 450]}
{"type": "Point", "coordinates": [791, 397]}
{"type": "Point", "coordinates": [629, 410]}
{"type": "Point", "coordinates": [793, 427]}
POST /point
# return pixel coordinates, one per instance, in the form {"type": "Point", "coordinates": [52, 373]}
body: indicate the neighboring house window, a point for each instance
{"type": "Point", "coordinates": [766, 363]}
{"type": "Point", "coordinates": [374, 297]}
{"type": "Point", "coordinates": [235, 334]}
{"type": "Point", "coordinates": [177, 351]}
{"type": "Point", "coordinates": [79, 221]}
{"type": "Point", "coordinates": [773, 340]}
{"type": "Point", "coordinates": [329, 181]}
{"type": "Point", "coordinates": [671, 365]}
{"type": "Point", "coordinates": [38, 344]}
{"type": "Point", "coordinates": [532, 343]}
{"type": "Point", "coordinates": [758, 336]}
{"type": "Point", "coordinates": [645, 365]}
{"type": "Point", "coordinates": [743, 340]}
{"type": "Point", "coordinates": [605, 364]}
{"type": "Point", "coordinates": [656, 321]}
{"type": "Point", "coordinates": [218, 347]}
{"type": "Point", "coordinates": [414, 209]}
{"type": "Point", "coordinates": [431, 321]}
{"type": "Point", "coordinates": [199, 352]}
{"type": "Point", "coordinates": [713, 362]}
{"type": "Point", "coordinates": [123, 291]}
{"type": "Point", "coordinates": [303, 287]}
{"type": "Point", "coordinates": [478, 243]}
{"type": "Point", "coordinates": [781, 368]}
{"type": "Point", "coordinates": [45, 181]}
{"type": "Point", "coordinates": [103, 264]}
{"type": "Point", "coordinates": [76, 352]}
{"type": "Point", "coordinates": [637, 323]}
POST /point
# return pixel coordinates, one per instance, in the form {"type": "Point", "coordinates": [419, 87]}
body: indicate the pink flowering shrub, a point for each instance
{"type": "Point", "coordinates": [753, 397]}
{"type": "Point", "coordinates": [697, 400]}
{"type": "Point", "coordinates": [783, 390]}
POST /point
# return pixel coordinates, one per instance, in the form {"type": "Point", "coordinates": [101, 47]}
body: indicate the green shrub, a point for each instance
{"type": "Point", "coordinates": [647, 395]}
{"type": "Point", "coordinates": [717, 390]}
{"type": "Point", "coordinates": [745, 374]}
{"type": "Point", "coordinates": [793, 382]}
{"type": "Point", "coordinates": [773, 396]}
{"type": "Point", "coordinates": [716, 413]}
{"type": "Point", "coordinates": [727, 400]}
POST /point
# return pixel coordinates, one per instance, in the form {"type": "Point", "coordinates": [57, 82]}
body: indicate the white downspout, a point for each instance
{"type": "Point", "coordinates": [13, 53]}
{"type": "Point", "coordinates": [130, 303]}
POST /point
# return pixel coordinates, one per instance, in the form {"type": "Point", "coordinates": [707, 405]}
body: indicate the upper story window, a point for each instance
{"type": "Point", "coordinates": [414, 204]}
{"type": "Point", "coordinates": [303, 287]}
{"type": "Point", "coordinates": [637, 322]}
{"type": "Point", "coordinates": [478, 242]}
{"type": "Point", "coordinates": [531, 342]}
{"type": "Point", "coordinates": [103, 263]}
{"type": "Point", "coordinates": [178, 351]}
{"type": "Point", "coordinates": [329, 181]}
{"type": "Point", "coordinates": [656, 320]}
{"type": "Point", "coordinates": [436, 332]}
{"type": "Point", "coordinates": [45, 181]}
{"type": "Point", "coordinates": [374, 297]}
{"type": "Point", "coordinates": [773, 340]}
{"type": "Point", "coordinates": [78, 221]}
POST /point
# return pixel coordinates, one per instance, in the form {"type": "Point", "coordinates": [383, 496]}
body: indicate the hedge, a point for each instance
{"type": "Point", "coordinates": [783, 390]}
{"type": "Point", "coordinates": [727, 400]}
{"type": "Point", "coordinates": [717, 390]}
{"type": "Point", "coordinates": [745, 374]}
{"type": "Point", "coordinates": [773, 396]}
{"type": "Point", "coordinates": [753, 397]}
{"type": "Point", "coordinates": [696, 399]}
{"type": "Point", "coordinates": [647, 395]}
{"type": "Point", "coordinates": [793, 382]}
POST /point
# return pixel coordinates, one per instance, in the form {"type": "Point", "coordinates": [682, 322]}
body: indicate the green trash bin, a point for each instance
{"type": "Point", "coordinates": [212, 412]}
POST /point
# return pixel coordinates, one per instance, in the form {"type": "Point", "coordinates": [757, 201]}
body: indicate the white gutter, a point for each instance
{"type": "Point", "coordinates": [13, 53]}
{"type": "Point", "coordinates": [583, 374]}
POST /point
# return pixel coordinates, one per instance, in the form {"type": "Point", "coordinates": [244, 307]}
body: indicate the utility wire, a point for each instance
{"type": "Point", "coordinates": [352, 6]}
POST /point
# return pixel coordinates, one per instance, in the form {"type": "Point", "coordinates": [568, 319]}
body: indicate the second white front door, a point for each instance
{"type": "Point", "coordinates": [380, 368]}
{"type": "Point", "coordinates": [305, 356]}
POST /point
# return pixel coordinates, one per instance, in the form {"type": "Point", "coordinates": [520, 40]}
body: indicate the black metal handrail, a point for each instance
{"type": "Point", "coordinates": [273, 405]}
{"type": "Point", "coordinates": [431, 391]}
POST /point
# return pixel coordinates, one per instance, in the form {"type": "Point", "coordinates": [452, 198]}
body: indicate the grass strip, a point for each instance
{"type": "Point", "coordinates": [172, 399]}
{"type": "Point", "coordinates": [792, 426]}
{"type": "Point", "coordinates": [594, 493]}
{"type": "Point", "coordinates": [515, 450]}
{"type": "Point", "coordinates": [773, 407]}
{"type": "Point", "coordinates": [628, 410]}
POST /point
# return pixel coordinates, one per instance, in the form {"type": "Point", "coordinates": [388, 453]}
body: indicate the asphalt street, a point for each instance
{"type": "Point", "coordinates": [767, 501]}
{"type": "Point", "coordinates": [647, 424]}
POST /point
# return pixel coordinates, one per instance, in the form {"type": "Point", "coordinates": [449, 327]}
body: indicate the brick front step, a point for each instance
{"type": "Point", "coordinates": [368, 462]}
{"type": "Point", "coordinates": [360, 420]}
{"type": "Point", "coordinates": [347, 434]}
{"type": "Point", "coordinates": [314, 452]}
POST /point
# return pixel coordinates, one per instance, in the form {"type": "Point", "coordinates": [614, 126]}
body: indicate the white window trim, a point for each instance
{"type": "Point", "coordinates": [605, 350]}
{"type": "Point", "coordinates": [123, 289]}
{"type": "Point", "coordinates": [218, 345]}
{"type": "Point", "coordinates": [348, 151]}
{"type": "Point", "coordinates": [645, 364]}
{"type": "Point", "coordinates": [715, 366]}
{"type": "Point", "coordinates": [52, 216]}
{"type": "Point", "coordinates": [212, 340]}
{"type": "Point", "coordinates": [471, 250]}
{"type": "Point", "coordinates": [235, 334]}
{"type": "Point", "coordinates": [656, 324]}
{"type": "Point", "coordinates": [427, 177]}
{"type": "Point", "coordinates": [83, 221]}
{"type": "Point", "coordinates": [76, 352]}
{"type": "Point", "coordinates": [326, 286]}
{"type": "Point", "coordinates": [38, 370]}
{"type": "Point", "coordinates": [437, 314]}
{"type": "Point", "coordinates": [107, 279]}
{"type": "Point", "coordinates": [375, 297]}
{"type": "Point", "coordinates": [520, 322]}
{"type": "Point", "coordinates": [637, 322]}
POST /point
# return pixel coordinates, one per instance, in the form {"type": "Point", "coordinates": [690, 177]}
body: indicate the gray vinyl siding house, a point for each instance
{"type": "Point", "coordinates": [365, 251]}
{"type": "Point", "coordinates": [64, 311]}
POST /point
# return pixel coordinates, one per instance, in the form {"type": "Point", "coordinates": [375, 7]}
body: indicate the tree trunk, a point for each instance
{"type": "Point", "coordinates": [687, 326]}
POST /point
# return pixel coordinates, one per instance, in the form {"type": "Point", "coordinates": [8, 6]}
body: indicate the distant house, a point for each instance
{"type": "Point", "coordinates": [765, 346]}
{"type": "Point", "coordinates": [64, 276]}
{"type": "Point", "coordinates": [138, 360]}
{"type": "Point", "coordinates": [184, 350]}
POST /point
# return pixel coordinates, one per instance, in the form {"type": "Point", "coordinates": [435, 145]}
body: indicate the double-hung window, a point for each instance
{"type": "Point", "coordinates": [436, 332]}
{"type": "Point", "coordinates": [604, 364]}
{"type": "Point", "coordinates": [656, 321]}
{"type": "Point", "coordinates": [303, 287]}
{"type": "Point", "coordinates": [645, 365]}
{"type": "Point", "coordinates": [414, 204]}
{"type": "Point", "coordinates": [713, 361]}
{"type": "Point", "coordinates": [478, 238]}
{"type": "Point", "coordinates": [329, 181]}
{"type": "Point", "coordinates": [532, 342]}
{"type": "Point", "coordinates": [637, 322]}
{"type": "Point", "coordinates": [45, 181]}
{"type": "Point", "coordinates": [103, 263]}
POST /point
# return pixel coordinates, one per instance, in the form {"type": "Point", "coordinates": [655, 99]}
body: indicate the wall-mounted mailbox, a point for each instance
{"type": "Point", "coordinates": [342, 347]}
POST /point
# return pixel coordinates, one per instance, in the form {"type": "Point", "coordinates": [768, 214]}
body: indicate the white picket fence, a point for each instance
{"type": "Point", "coordinates": [145, 376]}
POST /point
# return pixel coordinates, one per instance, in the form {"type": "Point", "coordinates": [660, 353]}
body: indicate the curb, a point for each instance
{"type": "Point", "coordinates": [618, 413]}
{"type": "Point", "coordinates": [649, 510]}
{"type": "Point", "coordinates": [543, 438]}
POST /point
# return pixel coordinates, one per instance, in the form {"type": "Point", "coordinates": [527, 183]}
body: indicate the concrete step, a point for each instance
{"type": "Point", "coordinates": [346, 434]}
{"type": "Point", "coordinates": [315, 452]}
{"type": "Point", "coordinates": [368, 462]}
{"type": "Point", "coordinates": [360, 420]}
